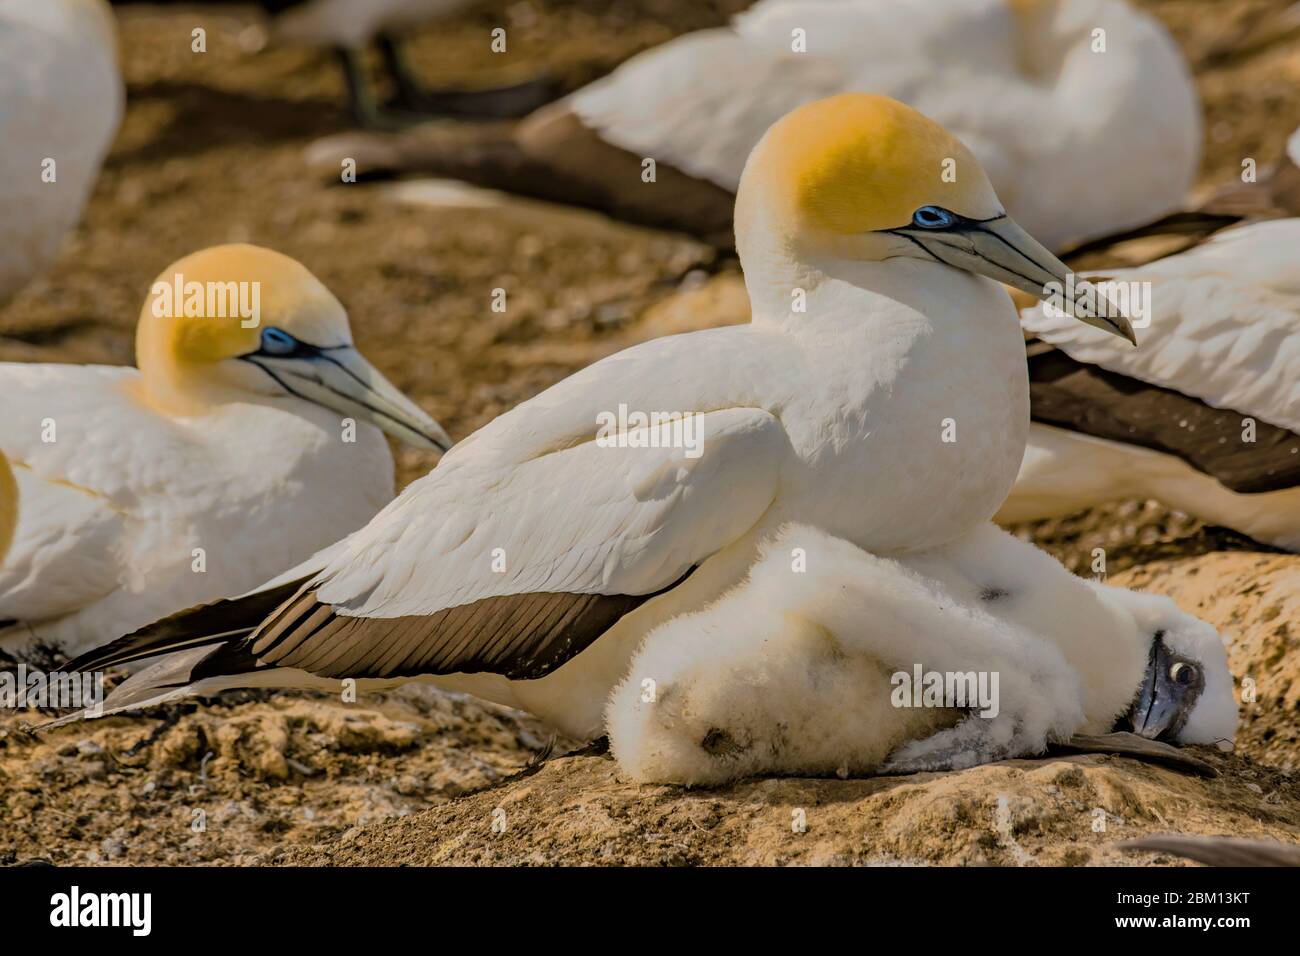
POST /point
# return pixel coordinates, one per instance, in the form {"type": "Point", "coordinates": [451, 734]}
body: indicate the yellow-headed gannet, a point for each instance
{"type": "Point", "coordinates": [1082, 112]}
{"type": "Point", "coordinates": [880, 393]}
{"type": "Point", "coordinates": [63, 98]}
{"type": "Point", "coordinates": [1205, 416]}
{"type": "Point", "coordinates": [249, 438]}
{"type": "Point", "coordinates": [820, 662]}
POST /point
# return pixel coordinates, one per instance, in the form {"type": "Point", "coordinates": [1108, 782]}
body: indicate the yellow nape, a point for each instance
{"type": "Point", "coordinates": [859, 162]}
{"type": "Point", "coordinates": [213, 305]}
{"type": "Point", "coordinates": [8, 506]}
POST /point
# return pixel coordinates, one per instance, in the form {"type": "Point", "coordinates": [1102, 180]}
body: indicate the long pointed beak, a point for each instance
{"type": "Point", "coordinates": [1161, 707]}
{"type": "Point", "coordinates": [341, 380]}
{"type": "Point", "coordinates": [1001, 250]}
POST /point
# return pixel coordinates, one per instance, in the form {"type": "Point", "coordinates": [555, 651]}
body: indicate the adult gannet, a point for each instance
{"type": "Point", "coordinates": [1205, 416]}
{"type": "Point", "coordinates": [793, 671]}
{"type": "Point", "coordinates": [249, 438]}
{"type": "Point", "coordinates": [62, 102]}
{"type": "Point", "coordinates": [527, 567]}
{"type": "Point", "coordinates": [1082, 112]}
{"type": "Point", "coordinates": [349, 27]}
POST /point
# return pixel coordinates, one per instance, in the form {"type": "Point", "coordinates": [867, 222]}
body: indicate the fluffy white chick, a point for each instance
{"type": "Point", "coordinates": [791, 671]}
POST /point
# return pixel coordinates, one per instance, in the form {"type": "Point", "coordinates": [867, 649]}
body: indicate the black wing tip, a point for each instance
{"type": "Point", "coordinates": [217, 622]}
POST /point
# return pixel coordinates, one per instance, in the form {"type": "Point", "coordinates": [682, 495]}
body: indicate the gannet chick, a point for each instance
{"type": "Point", "coordinates": [1204, 417]}
{"type": "Point", "coordinates": [249, 438]}
{"type": "Point", "coordinates": [527, 567]}
{"type": "Point", "coordinates": [1083, 113]}
{"type": "Point", "coordinates": [794, 671]}
{"type": "Point", "coordinates": [62, 104]}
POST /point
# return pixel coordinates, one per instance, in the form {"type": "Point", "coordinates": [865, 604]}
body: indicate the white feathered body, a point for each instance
{"type": "Point", "coordinates": [127, 514]}
{"type": "Point", "coordinates": [1078, 142]}
{"type": "Point", "coordinates": [61, 99]}
{"type": "Point", "coordinates": [835, 417]}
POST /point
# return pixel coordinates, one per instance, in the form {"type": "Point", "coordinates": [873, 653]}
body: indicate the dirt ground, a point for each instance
{"type": "Point", "coordinates": [212, 151]}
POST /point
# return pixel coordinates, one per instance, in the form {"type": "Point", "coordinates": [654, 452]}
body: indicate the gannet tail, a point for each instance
{"type": "Point", "coordinates": [182, 641]}
{"type": "Point", "coordinates": [200, 626]}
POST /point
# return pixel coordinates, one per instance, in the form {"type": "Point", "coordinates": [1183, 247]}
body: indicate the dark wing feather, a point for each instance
{"type": "Point", "coordinates": [520, 636]}
{"type": "Point", "coordinates": [205, 624]}
{"type": "Point", "coordinates": [1094, 401]}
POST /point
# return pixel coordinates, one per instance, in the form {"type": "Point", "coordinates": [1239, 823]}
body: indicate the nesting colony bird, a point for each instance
{"type": "Point", "coordinates": [879, 394]}
{"type": "Point", "coordinates": [249, 438]}
{"type": "Point", "coordinates": [794, 671]}
{"type": "Point", "coordinates": [349, 27]}
{"type": "Point", "coordinates": [1082, 112]}
{"type": "Point", "coordinates": [1204, 417]}
{"type": "Point", "coordinates": [62, 103]}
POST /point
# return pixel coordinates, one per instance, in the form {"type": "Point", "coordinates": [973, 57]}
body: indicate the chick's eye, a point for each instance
{"type": "Point", "coordinates": [278, 342]}
{"type": "Point", "coordinates": [933, 217]}
{"type": "Point", "coordinates": [1182, 673]}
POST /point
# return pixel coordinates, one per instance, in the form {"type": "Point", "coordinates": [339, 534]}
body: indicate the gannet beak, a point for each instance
{"type": "Point", "coordinates": [1164, 702]}
{"type": "Point", "coordinates": [341, 380]}
{"type": "Point", "coordinates": [1001, 250]}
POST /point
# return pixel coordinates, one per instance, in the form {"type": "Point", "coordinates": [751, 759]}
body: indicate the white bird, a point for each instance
{"type": "Point", "coordinates": [246, 441]}
{"type": "Point", "coordinates": [810, 666]}
{"type": "Point", "coordinates": [61, 106]}
{"type": "Point", "coordinates": [1204, 417]}
{"type": "Point", "coordinates": [1082, 112]}
{"type": "Point", "coordinates": [527, 567]}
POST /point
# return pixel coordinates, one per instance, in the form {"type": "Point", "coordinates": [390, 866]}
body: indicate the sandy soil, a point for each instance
{"type": "Point", "coordinates": [212, 151]}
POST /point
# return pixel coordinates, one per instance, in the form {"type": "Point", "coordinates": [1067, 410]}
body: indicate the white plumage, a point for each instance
{"type": "Point", "coordinates": [835, 412]}
{"type": "Point", "coordinates": [144, 493]}
{"type": "Point", "coordinates": [791, 671]}
{"type": "Point", "coordinates": [1225, 329]}
{"type": "Point", "coordinates": [1078, 141]}
{"type": "Point", "coordinates": [114, 507]}
{"type": "Point", "coordinates": [61, 103]}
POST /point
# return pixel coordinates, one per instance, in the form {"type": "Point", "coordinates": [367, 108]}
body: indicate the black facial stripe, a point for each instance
{"type": "Point", "coordinates": [916, 242]}
{"type": "Point", "coordinates": [316, 380]}
{"type": "Point", "coordinates": [1017, 251]}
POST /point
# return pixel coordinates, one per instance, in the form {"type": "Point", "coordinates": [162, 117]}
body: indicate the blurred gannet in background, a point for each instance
{"type": "Point", "coordinates": [60, 107]}
{"type": "Point", "coordinates": [1204, 417]}
{"type": "Point", "coordinates": [350, 26]}
{"type": "Point", "coordinates": [1078, 141]}
{"type": "Point", "coordinates": [527, 567]}
{"type": "Point", "coordinates": [232, 453]}
{"type": "Point", "coordinates": [791, 671]}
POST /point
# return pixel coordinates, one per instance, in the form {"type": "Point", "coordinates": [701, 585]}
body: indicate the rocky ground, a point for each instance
{"type": "Point", "coordinates": [212, 151]}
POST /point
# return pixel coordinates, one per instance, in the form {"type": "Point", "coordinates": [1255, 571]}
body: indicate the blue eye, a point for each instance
{"type": "Point", "coordinates": [933, 217]}
{"type": "Point", "coordinates": [278, 342]}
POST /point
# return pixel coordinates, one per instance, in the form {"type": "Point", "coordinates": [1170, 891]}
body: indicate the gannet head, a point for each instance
{"type": "Point", "coordinates": [861, 176]}
{"type": "Point", "coordinates": [1186, 691]}
{"type": "Point", "coordinates": [239, 320]}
